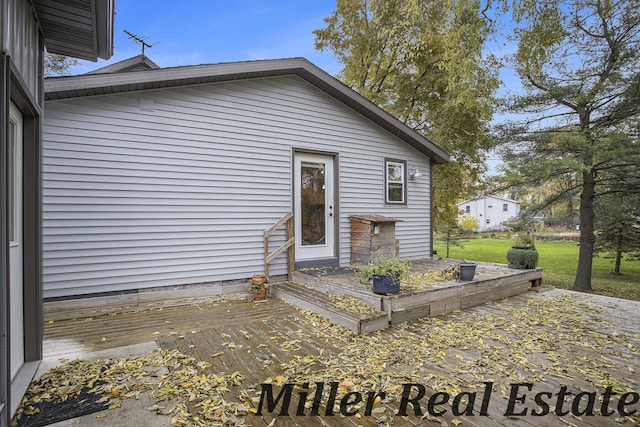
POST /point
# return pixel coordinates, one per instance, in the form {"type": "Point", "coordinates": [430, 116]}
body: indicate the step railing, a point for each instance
{"type": "Point", "coordinates": [289, 245]}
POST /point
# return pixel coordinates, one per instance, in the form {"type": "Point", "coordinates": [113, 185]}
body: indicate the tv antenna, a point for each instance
{"type": "Point", "coordinates": [138, 39]}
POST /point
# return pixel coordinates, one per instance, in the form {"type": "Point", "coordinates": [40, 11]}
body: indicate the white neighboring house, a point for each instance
{"type": "Point", "coordinates": [491, 211]}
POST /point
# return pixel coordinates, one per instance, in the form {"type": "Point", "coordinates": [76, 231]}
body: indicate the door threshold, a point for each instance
{"type": "Point", "coordinates": [320, 262]}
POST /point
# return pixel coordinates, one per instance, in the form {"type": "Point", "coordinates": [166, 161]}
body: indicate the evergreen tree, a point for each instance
{"type": "Point", "coordinates": [618, 215]}
{"type": "Point", "coordinates": [579, 62]}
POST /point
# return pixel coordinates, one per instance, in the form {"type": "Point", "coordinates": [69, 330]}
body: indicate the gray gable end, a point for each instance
{"type": "Point", "coordinates": [58, 88]}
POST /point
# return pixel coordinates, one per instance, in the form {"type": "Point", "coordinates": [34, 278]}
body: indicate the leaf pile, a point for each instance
{"type": "Point", "coordinates": [189, 387]}
{"type": "Point", "coordinates": [350, 304]}
{"type": "Point", "coordinates": [420, 281]}
{"type": "Point", "coordinates": [112, 378]}
{"type": "Point", "coordinates": [186, 383]}
{"type": "Point", "coordinates": [546, 341]}
{"type": "Point", "coordinates": [543, 342]}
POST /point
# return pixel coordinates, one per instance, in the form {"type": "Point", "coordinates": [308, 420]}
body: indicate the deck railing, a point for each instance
{"type": "Point", "coordinates": [289, 245]}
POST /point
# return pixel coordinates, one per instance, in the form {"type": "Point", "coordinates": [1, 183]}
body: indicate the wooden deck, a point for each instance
{"type": "Point", "coordinates": [551, 340]}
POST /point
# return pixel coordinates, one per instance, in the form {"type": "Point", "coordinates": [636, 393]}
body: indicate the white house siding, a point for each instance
{"type": "Point", "coordinates": [490, 211]}
{"type": "Point", "coordinates": [181, 194]}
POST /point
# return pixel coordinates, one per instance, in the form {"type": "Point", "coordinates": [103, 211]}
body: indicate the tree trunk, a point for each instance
{"type": "Point", "coordinates": [571, 214]}
{"type": "Point", "coordinates": [616, 269]}
{"type": "Point", "coordinates": [587, 237]}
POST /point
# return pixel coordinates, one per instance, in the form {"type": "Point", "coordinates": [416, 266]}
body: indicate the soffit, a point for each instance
{"type": "Point", "coordinates": [79, 28]}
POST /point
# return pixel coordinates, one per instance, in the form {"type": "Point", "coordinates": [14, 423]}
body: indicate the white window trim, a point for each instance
{"type": "Point", "coordinates": [403, 181]}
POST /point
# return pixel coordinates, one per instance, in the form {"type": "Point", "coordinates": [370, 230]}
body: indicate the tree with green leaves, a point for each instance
{"type": "Point", "coordinates": [468, 222]}
{"type": "Point", "coordinates": [579, 62]}
{"type": "Point", "coordinates": [423, 61]}
{"type": "Point", "coordinates": [58, 65]}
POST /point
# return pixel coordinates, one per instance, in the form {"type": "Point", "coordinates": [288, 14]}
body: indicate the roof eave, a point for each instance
{"type": "Point", "coordinates": [82, 30]}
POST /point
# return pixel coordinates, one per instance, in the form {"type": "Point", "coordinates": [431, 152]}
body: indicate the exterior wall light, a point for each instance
{"type": "Point", "coordinates": [415, 174]}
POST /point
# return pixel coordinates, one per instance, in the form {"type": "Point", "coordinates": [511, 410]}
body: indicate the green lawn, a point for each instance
{"type": "Point", "coordinates": [559, 260]}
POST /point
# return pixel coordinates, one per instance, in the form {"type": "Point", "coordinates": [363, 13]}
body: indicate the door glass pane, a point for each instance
{"type": "Point", "coordinates": [313, 210]}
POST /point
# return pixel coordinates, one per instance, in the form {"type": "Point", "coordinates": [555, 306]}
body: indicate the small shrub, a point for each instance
{"type": "Point", "coordinates": [468, 223]}
{"type": "Point", "coordinates": [522, 257]}
{"type": "Point", "coordinates": [524, 241]}
{"type": "Point", "coordinates": [395, 267]}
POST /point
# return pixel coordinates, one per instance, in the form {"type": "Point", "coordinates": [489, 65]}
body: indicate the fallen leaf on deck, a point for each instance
{"type": "Point", "coordinates": [539, 341]}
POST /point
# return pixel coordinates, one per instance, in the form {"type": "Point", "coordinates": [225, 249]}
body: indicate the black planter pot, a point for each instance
{"type": "Point", "coordinates": [467, 271]}
{"type": "Point", "coordinates": [385, 285]}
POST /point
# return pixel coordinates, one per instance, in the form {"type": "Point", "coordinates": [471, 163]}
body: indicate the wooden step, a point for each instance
{"type": "Point", "coordinates": [318, 302]}
{"type": "Point", "coordinates": [343, 284]}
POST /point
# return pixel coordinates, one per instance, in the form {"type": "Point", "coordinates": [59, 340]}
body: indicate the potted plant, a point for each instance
{"type": "Point", "coordinates": [467, 270]}
{"type": "Point", "coordinates": [385, 274]}
{"type": "Point", "coordinates": [523, 253]}
{"type": "Point", "coordinates": [258, 286]}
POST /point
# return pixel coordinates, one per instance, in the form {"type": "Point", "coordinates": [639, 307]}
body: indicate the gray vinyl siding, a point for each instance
{"type": "Point", "coordinates": [182, 194]}
{"type": "Point", "coordinates": [24, 46]}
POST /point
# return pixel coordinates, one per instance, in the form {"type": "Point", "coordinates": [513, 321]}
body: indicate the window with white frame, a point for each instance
{"type": "Point", "coordinates": [395, 182]}
{"type": "Point", "coordinates": [505, 207]}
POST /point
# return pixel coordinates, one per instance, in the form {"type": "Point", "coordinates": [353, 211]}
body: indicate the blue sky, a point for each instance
{"type": "Point", "coordinates": [190, 32]}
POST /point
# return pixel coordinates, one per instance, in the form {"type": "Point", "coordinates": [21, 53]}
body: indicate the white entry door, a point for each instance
{"type": "Point", "coordinates": [314, 206]}
{"type": "Point", "coordinates": [16, 288]}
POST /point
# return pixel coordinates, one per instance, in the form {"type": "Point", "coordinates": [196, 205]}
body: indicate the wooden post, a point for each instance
{"type": "Point", "coordinates": [266, 254]}
{"type": "Point", "coordinates": [291, 253]}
